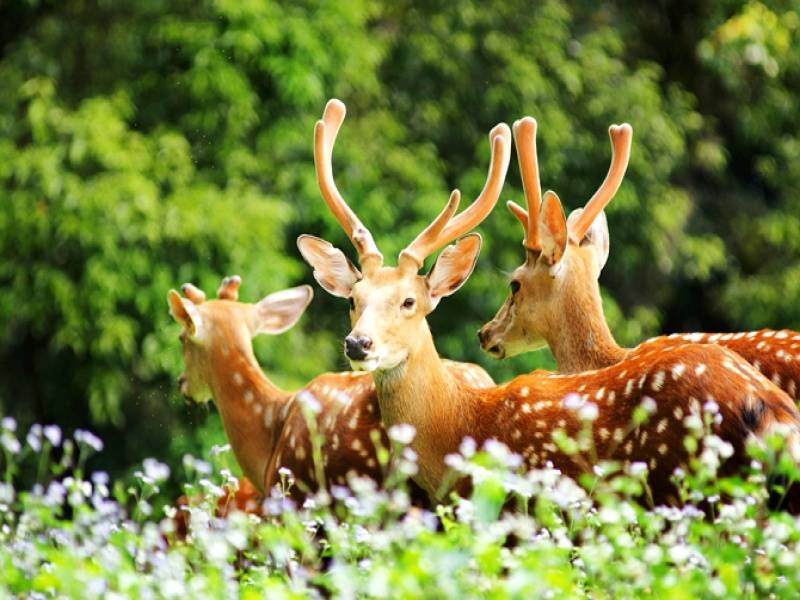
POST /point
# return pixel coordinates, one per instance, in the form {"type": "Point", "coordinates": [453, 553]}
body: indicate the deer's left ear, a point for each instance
{"type": "Point", "coordinates": [453, 267]}
{"type": "Point", "coordinates": [596, 237]}
{"type": "Point", "coordinates": [552, 229]}
{"type": "Point", "coordinates": [185, 312]}
{"type": "Point", "coordinates": [280, 311]}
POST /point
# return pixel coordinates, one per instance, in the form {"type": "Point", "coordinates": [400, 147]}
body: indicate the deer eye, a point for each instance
{"type": "Point", "coordinates": [352, 303]}
{"type": "Point", "coordinates": [515, 285]}
{"type": "Point", "coordinates": [408, 303]}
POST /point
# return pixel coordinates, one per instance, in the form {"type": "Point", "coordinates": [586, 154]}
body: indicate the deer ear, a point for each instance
{"type": "Point", "coordinates": [279, 311]}
{"type": "Point", "coordinates": [596, 237]}
{"type": "Point", "coordinates": [332, 269]}
{"type": "Point", "coordinates": [552, 229]}
{"type": "Point", "coordinates": [453, 267]}
{"type": "Point", "coordinates": [184, 312]}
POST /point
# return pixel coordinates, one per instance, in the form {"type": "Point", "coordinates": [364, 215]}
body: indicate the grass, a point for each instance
{"type": "Point", "coordinates": [519, 534]}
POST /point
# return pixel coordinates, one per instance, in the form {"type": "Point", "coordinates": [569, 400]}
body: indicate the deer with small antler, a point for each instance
{"type": "Point", "coordinates": [390, 338]}
{"type": "Point", "coordinates": [555, 296]}
{"type": "Point", "coordinates": [268, 428]}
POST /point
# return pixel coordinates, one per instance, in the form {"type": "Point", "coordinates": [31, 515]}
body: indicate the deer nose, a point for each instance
{"type": "Point", "coordinates": [356, 347]}
{"type": "Point", "coordinates": [483, 335]}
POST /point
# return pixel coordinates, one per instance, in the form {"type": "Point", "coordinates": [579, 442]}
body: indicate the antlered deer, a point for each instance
{"type": "Point", "coordinates": [555, 296]}
{"type": "Point", "coordinates": [265, 425]}
{"type": "Point", "coordinates": [390, 338]}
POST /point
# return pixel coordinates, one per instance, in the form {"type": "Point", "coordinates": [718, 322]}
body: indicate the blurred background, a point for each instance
{"type": "Point", "coordinates": [146, 143]}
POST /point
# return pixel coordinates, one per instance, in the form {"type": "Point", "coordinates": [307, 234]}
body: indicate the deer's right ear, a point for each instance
{"type": "Point", "coordinates": [332, 269]}
{"type": "Point", "coordinates": [552, 229]}
{"type": "Point", "coordinates": [596, 237]}
{"type": "Point", "coordinates": [185, 313]}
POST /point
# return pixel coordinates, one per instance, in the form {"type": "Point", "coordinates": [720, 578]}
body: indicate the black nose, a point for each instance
{"type": "Point", "coordinates": [356, 347]}
{"type": "Point", "coordinates": [482, 335]}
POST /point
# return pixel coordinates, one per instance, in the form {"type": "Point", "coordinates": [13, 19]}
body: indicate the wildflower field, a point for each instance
{"type": "Point", "coordinates": [75, 533]}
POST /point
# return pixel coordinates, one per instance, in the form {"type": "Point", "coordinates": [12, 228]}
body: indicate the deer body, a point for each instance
{"type": "Point", "coordinates": [555, 297]}
{"type": "Point", "coordinates": [267, 427]}
{"type": "Point", "coordinates": [390, 338]}
{"type": "Point", "coordinates": [524, 412]}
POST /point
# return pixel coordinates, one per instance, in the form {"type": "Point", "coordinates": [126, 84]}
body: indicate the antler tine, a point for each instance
{"type": "Point", "coordinates": [229, 288]}
{"type": "Point", "coordinates": [621, 136]}
{"type": "Point", "coordinates": [445, 227]}
{"type": "Point", "coordinates": [325, 133]}
{"type": "Point", "coordinates": [525, 143]}
{"type": "Point", "coordinates": [193, 293]}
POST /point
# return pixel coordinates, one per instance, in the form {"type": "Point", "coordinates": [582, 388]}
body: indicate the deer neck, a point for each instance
{"type": "Point", "coordinates": [580, 338]}
{"type": "Point", "coordinates": [250, 407]}
{"type": "Point", "coordinates": [423, 393]}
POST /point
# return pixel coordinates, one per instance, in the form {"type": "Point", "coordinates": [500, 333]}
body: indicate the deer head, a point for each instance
{"type": "Point", "coordinates": [564, 257]}
{"type": "Point", "coordinates": [388, 305]}
{"type": "Point", "coordinates": [225, 325]}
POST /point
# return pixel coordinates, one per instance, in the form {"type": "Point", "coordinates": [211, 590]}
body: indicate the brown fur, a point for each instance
{"type": "Point", "coordinates": [266, 426]}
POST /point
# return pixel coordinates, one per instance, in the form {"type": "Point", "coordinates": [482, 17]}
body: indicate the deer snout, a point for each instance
{"type": "Point", "coordinates": [356, 347]}
{"type": "Point", "coordinates": [488, 344]}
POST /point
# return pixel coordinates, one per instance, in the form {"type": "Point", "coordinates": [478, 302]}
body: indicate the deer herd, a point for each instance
{"type": "Point", "coordinates": [333, 427]}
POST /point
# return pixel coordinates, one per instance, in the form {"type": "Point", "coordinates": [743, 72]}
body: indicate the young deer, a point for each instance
{"type": "Point", "coordinates": [555, 296]}
{"type": "Point", "coordinates": [390, 338]}
{"type": "Point", "coordinates": [266, 426]}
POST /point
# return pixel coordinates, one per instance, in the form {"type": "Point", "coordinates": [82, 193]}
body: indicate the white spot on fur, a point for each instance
{"type": "Point", "coordinates": [268, 416]}
{"type": "Point", "coordinates": [248, 397]}
{"type": "Point", "coordinates": [258, 409]}
{"type": "Point", "coordinates": [356, 444]}
{"type": "Point", "coordinates": [238, 379]}
{"type": "Point", "coordinates": [600, 393]}
{"type": "Point", "coordinates": [694, 337]}
{"type": "Point", "coordinates": [604, 433]}
{"type": "Point", "coordinates": [628, 387]}
{"type": "Point", "coordinates": [658, 381]}
{"type": "Point", "coordinates": [713, 338]}
{"type": "Point", "coordinates": [662, 449]}
{"type": "Point", "coordinates": [699, 369]}
{"type": "Point", "coordinates": [776, 379]}
{"type": "Point", "coordinates": [678, 412]}
{"type": "Point", "coordinates": [662, 425]}
{"type": "Point", "coordinates": [678, 370]}
{"type": "Point", "coordinates": [524, 391]}
{"type": "Point", "coordinates": [618, 434]}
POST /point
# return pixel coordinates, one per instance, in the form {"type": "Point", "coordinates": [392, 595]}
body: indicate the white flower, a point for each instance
{"type": "Point", "coordinates": [53, 434]}
{"type": "Point", "coordinates": [468, 447]}
{"type": "Point", "coordinates": [572, 401]}
{"type": "Point", "coordinates": [217, 449]}
{"type": "Point", "coordinates": [679, 553]}
{"type": "Point", "coordinates": [10, 442]}
{"type": "Point", "coordinates": [402, 433]}
{"type": "Point", "coordinates": [8, 423]}
{"type": "Point", "coordinates": [34, 437]}
{"type": "Point", "coordinates": [309, 402]}
{"type": "Point", "coordinates": [89, 439]}
{"type": "Point", "coordinates": [649, 405]}
{"type": "Point", "coordinates": [711, 407]}
{"type": "Point", "coordinates": [157, 471]}
{"type": "Point", "coordinates": [637, 469]}
{"type": "Point", "coordinates": [588, 412]}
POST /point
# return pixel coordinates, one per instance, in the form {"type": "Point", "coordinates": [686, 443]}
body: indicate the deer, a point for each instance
{"type": "Point", "coordinates": [554, 296]}
{"type": "Point", "coordinates": [267, 427]}
{"type": "Point", "coordinates": [390, 339]}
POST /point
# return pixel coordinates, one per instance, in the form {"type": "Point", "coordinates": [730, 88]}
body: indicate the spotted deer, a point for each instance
{"type": "Point", "coordinates": [390, 338]}
{"type": "Point", "coordinates": [555, 296]}
{"type": "Point", "coordinates": [266, 426]}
